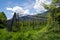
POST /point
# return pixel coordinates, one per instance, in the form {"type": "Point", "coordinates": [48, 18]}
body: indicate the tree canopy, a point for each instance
{"type": "Point", "coordinates": [2, 20]}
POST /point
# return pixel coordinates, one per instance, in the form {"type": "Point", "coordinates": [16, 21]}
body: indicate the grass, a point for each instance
{"type": "Point", "coordinates": [41, 34]}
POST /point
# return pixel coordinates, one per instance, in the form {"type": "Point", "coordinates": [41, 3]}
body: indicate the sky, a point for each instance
{"type": "Point", "coordinates": [23, 7]}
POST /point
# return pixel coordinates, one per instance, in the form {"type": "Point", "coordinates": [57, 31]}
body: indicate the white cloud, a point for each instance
{"type": "Point", "coordinates": [9, 8]}
{"type": "Point", "coordinates": [8, 18]}
{"type": "Point", "coordinates": [38, 5]}
{"type": "Point", "coordinates": [19, 10]}
{"type": "Point", "coordinates": [33, 13]}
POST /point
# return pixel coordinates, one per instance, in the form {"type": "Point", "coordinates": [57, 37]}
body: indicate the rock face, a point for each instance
{"type": "Point", "coordinates": [9, 23]}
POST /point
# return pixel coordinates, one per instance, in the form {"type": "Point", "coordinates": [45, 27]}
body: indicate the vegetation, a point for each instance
{"type": "Point", "coordinates": [37, 30]}
{"type": "Point", "coordinates": [2, 20]}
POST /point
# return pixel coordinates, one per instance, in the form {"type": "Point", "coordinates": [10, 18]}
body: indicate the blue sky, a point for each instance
{"type": "Point", "coordinates": [24, 7]}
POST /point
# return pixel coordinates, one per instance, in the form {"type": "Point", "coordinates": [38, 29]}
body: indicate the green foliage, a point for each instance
{"type": "Point", "coordinates": [55, 1]}
{"type": "Point", "coordinates": [2, 20]}
{"type": "Point", "coordinates": [28, 25]}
